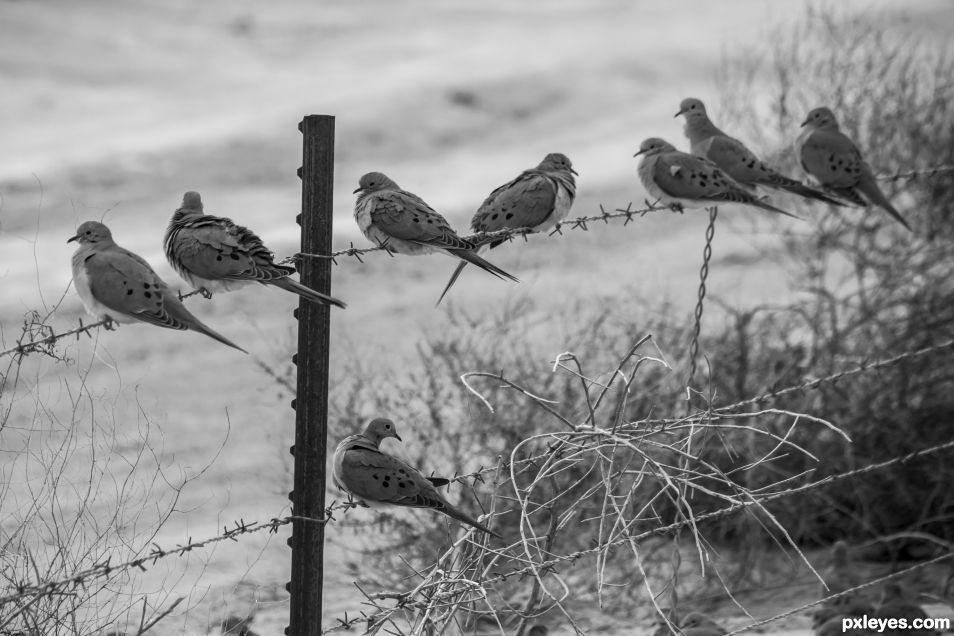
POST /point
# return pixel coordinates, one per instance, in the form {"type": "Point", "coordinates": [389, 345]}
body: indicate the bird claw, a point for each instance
{"type": "Point", "coordinates": [205, 293]}
{"type": "Point", "coordinates": [677, 207]}
{"type": "Point", "coordinates": [109, 324]}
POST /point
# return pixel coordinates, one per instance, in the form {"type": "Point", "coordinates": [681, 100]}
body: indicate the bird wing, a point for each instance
{"type": "Point", "coordinates": [832, 158]}
{"type": "Point", "coordinates": [372, 475]}
{"type": "Point", "coordinates": [683, 176]}
{"type": "Point", "coordinates": [124, 282]}
{"type": "Point", "coordinates": [406, 216]}
{"type": "Point", "coordinates": [215, 248]}
{"type": "Point", "coordinates": [527, 201]}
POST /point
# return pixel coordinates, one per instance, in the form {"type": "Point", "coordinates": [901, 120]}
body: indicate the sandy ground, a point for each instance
{"type": "Point", "coordinates": [116, 110]}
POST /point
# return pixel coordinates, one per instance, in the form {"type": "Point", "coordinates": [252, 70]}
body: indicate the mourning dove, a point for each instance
{"type": "Point", "coordinates": [374, 477]}
{"type": "Point", "coordinates": [538, 199]}
{"type": "Point", "coordinates": [680, 180]}
{"type": "Point", "coordinates": [842, 606]}
{"type": "Point", "coordinates": [117, 285]}
{"type": "Point", "coordinates": [698, 624]}
{"type": "Point", "coordinates": [403, 223]}
{"type": "Point", "coordinates": [214, 254]}
{"type": "Point", "coordinates": [730, 154]}
{"type": "Point", "coordinates": [896, 603]}
{"type": "Point", "coordinates": [841, 574]}
{"type": "Point", "coordinates": [833, 159]}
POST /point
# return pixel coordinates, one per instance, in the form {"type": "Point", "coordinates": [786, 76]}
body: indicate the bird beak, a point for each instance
{"type": "Point", "coordinates": [574, 172]}
{"type": "Point", "coordinates": [639, 153]}
{"type": "Point", "coordinates": [679, 113]}
{"type": "Point", "coordinates": [72, 238]}
{"type": "Point", "coordinates": [803, 124]}
{"type": "Point", "coordinates": [356, 190]}
{"type": "Point", "coordinates": [398, 437]}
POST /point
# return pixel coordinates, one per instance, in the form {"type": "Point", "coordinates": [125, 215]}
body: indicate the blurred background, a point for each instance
{"type": "Point", "coordinates": [111, 110]}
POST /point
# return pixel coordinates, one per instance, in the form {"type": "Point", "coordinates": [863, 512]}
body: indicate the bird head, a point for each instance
{"type": "Point", "coordinates": [91, 232]}
{"type": "Point", "coordinates": [191, 201]}
{"type": "Point", "coordinates": [374, 181]}
{"type": "Point", "coordinates": [692, 108]}
{"type": "Point", "coordinates": [654, 146]}
{"type": "Point", "coordinates": [557, 161]}
{"type": "Point", "coordinates": [820, 117]}
{"type": "Point", "coordinates": [379, 429]}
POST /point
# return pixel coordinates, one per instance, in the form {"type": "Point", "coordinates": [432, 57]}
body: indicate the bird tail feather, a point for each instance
{"type": "Point", "coordinates": [307, 293]}
{"type": "Point", "coordinates": [453, 279]}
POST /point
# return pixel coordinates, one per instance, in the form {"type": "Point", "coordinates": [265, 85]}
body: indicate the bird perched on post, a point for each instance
{"type": "Point", "coordinates": [401, 222]}
{"type": "Point", "coordinates": [538, 199]}
{"type": "Point", "coordinates": [373, 477]}
{"type": "Point", "coordinates": [116, 285]}
{"type": "Point", "coordinates": [829, 156]}
{"type": "Point", "coordinates": [212, 253]}
{"type": "Point", "coordinates": [681, 180]}
{"type": "Point", "coordinates": [737, 161]}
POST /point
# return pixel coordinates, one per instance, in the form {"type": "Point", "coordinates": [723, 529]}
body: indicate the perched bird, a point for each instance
{"type": "Point", "coordinates": [680, 180]}
{"type": "Point", "coordinates": [538, 630]}
{"type": "Point", "coordinates": [737, 161]}
{"type": "Point", "coordinates": [403, 223]}
{"type": "Point", "coordinates": [832, 158]}
{"type": "Point", "coordinates": [841, 574]}
{"type": "Point", "coordinates": [374, 477]}
{"type": "Point", "coordinates": [539, 199]}
{"type": "Point", "coordinates": [117, 285]}
{"type": "Point", "coordinates": [896, 603]}
{"type": "Point", "coordinates": [214, 254]}
{"type": "Point", "coordinates": [698, 624]}
{"type": "Point", "coordinates": [851, 605]}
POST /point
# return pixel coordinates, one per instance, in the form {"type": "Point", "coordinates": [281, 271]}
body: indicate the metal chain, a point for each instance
{"type": "Point", "coordinates": [703, 274]}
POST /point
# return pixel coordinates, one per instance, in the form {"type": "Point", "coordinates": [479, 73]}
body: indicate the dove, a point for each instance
{"type": "Point", "coordinates": [374, 477]}
{"type": "Point", "coordinates": [538, 199]}
{"type": "Point", "coordinates": [212, 253]}
{"type": "Point", "coordinates": [680, 180]}
{"type": "Point", "coordinates": [730, 154]}
{"type": "Point", "coordinates": [116, 285]}
{"type": "Point", "coordinates": [832, 158]}
{"type": "Point", "coordinates": [403, 223]}
{"type": "Point", "coordinates": [895, 603]}
{"type": "Point", "coordinates": [698, 624]}
{"type": "Point", "coordinates": [840, 575]}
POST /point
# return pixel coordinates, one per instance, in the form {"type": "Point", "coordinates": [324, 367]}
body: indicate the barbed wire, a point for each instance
{"type": "Point", "coordinates": [106, 568]}
{"type": "Point", "coordinates": [405, 600]}
{"type": "Point", "coordinates": [33, 326]}
{"type": "Point", "coordinates": [482, 238]}
{"type": "Point", "coordinates": [916, 174]}
{"type": "Point", "coordinates": [844, 593]}
{"type": "Point", "coordinates": [697, 324]}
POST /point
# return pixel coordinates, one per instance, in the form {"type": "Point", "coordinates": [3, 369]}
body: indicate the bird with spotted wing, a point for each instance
{"type": "Point", "coordinates": [373, 477]}
{"type": "Point", "coordinates": [538, 199]}
{"type": "Point", "coordinates": [681, 180]}
{"type": "Point", "coordinates": [212, 253]}
{"type": "Point", "coordinates": [735, 159]}
{"type": "Point", "coordinates": [403, 223]}
{"type": "Point", "coordinates": [828, 155]}
{"type": "Point", "coordinates": [117, 285]}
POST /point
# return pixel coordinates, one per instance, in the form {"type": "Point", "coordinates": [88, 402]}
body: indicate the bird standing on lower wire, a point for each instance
{"type": "Point", "coordinates": [681, 180]}
{"type": "Point", "coordinates": [117, 285]}
{"type": "Point", "coordinates": [214, 254]}
{"type": "Point", "coordinates": [374, 477]}
{"type": "Point", "coordinates": [538, 199]}
{"type": "Point", "coordinates": [735, 159]}
{"type": "Point", "coordinates": [828, 155]}
{"type": "Point", "coordinates": [402, 222]}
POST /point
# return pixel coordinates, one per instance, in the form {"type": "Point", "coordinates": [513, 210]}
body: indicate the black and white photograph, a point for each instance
{"type": "Point", "coordinates": [426, 317]}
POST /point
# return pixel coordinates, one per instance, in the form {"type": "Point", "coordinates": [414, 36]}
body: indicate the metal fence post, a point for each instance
{"type": "Point", "coordinates": [311, 401]}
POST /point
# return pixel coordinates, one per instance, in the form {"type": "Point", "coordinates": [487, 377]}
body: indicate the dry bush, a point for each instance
{"type": "Point", "coordinates": [868, 289]}
{"type": "Point", "coordinates": [77, 489]}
